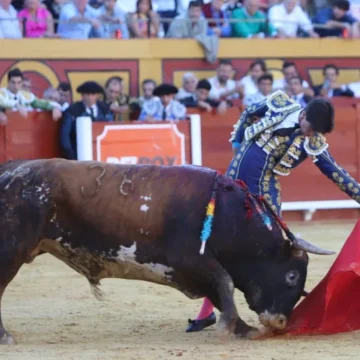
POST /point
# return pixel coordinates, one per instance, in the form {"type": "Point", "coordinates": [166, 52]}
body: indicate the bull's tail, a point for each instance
{"type": "Point", "coordinates": [95, 289]}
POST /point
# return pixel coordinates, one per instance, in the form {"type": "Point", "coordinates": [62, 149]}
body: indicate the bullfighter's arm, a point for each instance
{"type": "Point", "coordinates": [249, 115]}
{"type": "Point", "coordinates": [328, 166]}
{"type": "Point", "coordinates": [65, 134]}
{"type": "Point", "coordinates": [5, 101]}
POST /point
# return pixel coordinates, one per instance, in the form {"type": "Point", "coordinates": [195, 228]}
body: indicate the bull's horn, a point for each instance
{"type": "Point", "coordinates": [301, 244]}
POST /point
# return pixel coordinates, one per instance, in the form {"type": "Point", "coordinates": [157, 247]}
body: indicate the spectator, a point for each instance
{"type": "Point", "coordinates": [296, 91]}
{"type": "Point", "coordinates": [117, 101]}
{"type": "Point", "coordinates": [265, 84]}
{"type": "Point", "coordinates": [189, 82]}
{"type": "Point", "coordinates": [88, 106]}
{"type": "Point", "coordinates": [27, 85]}
{"type": "Point", "coordinates": [289, 71]}
{"type": "Point", "coordinates": [144, 23]}
{"type": "Point", "coordinates": [9, 24]}
{"type": "Point", "coordinates": [336, 19]}
{"type": "Point", "coordinates": [113, 21]}
{"type": "Point", "coordinates": [288, 17]}
{"type": "Point", "coordinates": [64, 90]}
{"type": "Point", "coordinates": [51, 94]}
{"type": "Point", "coordinates": [72, 14]}
{"type": "Point", "coordinates": [222, 86]}
{"type": "Point", "coordinates": [190, 25]}
{"type": "Point", "coordinates": [251, 21]}
{"type": "Point", "coordinates": [148, 86]}
{"type": "Point", "coordinates": [39, 22]}
{"type": "Point", "coordinates": [14, 97]}
{"type": "Point", "coordinates": [218, 20]}
{"type": "Point", "coordinates": [202, 101]}
{"type": "Point", "coordinates": [331, 87]}
{"type": "Point", "coordinates": [165, 107]}
{"type": "Point", "coordinates": [167, 9]}
{"type": "Point", "coordinates": [249, 83]}
{"type": "Point", "coordinates": [231, 5]}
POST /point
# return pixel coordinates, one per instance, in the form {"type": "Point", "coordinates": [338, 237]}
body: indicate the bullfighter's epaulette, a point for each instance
{"type": "Point", "coordinates": [279, 107]}
{"type": "Point", "coordinates": [315, 145]}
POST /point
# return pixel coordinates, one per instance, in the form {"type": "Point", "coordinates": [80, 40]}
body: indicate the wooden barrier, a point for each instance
{"type": "Point", "coordinates": [37, 137]}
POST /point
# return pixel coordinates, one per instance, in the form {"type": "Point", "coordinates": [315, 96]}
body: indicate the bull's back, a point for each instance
{"type": "Point", "coordinates": [134, 202]}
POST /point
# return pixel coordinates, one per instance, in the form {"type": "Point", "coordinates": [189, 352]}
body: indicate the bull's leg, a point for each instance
{"type": "Point", "coordinates": [218, 283]}
{"type": "Point", "coordinates": [10, 263]}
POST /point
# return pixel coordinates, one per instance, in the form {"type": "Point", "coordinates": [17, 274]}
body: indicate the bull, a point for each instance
{"type": "Point", "coordinates": [143, 222]}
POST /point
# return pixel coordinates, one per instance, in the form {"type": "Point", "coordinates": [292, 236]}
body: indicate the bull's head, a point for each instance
{"type": "Point", "coordinates": [276, 285]}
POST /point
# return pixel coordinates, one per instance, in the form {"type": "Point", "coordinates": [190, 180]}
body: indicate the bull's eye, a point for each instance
{"type": "Point", "coordinates": [292, 278]}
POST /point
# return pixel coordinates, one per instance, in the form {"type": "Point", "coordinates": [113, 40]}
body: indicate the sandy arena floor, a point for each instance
{"type": "Point", "coordinates": [50, 310]}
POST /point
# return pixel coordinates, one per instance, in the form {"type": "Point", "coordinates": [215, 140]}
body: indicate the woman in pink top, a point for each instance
{"type": "Point", "coordinates": [39, 22]}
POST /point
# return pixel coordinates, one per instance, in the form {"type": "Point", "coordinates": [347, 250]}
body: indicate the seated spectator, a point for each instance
{"type": "Point", "coordinates": [288, 17]}
{"type": "Point", "coordinates": [189, 82]}
{"type": "Point", "coordinates": [202, 101]}
{"type": "Point", "coordinates": [39, 22]}
{"type": "Point", "coordinates": [190, 25]}
{"type": "Point", "coordinates": [9, 25]}
{"type": "Point", "coordinates": [64, 90]}
{"type": "Point", "coordinates": [336, 19]}
{"type": "Point", "coordinates": [27, 85]}
{"type": "Point", "coordinates": [148, 86]}
{"type": "Point", "coordinates": [251, 21]}
{"type": "Point", "coordinates": [113, 21]}
{"type": "Point", "coordinates": [51, 94]}
{"type": "Point", "coordinates": [168, 9]}
{"type": "Point", "coordinates": [296, 91]}
{"type": "Point", "coordinates": [72, 14]}
{"type": "Point", "coordinates": [163, 107]}
{"type": "Point", "coordinates": [128, 6]}
{"type": "Point", "coordinates": [144, 23]}
{"type": "Point", "coordinates": [222, 86]}
{"type": "Point", "coordinates": [289, 70]}
{"type": "Point", "coordinates": [331, 87]}
{"type": "Point", "coordinates": [265, 84]}
{"type": "Point", "coordinates": [115, 98]}
{"type": "Point", "coordinates": [249, 83]}
{"type": "Point", "coordinates": [15, 98]}
{"type": "Point", "coordinates": [88, 106]}
{"type": "Point", "coordinates": [218, 20]}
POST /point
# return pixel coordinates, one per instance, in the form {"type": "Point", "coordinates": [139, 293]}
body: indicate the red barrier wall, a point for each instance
{"type": "Point", "coordinates": [37, 137]}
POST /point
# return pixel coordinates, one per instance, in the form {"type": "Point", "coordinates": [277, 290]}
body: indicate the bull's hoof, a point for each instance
{"type": "Point", "coordinates": [198, 325]}
{"type": "Point", "coordinates": [7, 339]}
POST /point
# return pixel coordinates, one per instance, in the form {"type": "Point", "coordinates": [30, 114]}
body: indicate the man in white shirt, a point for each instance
{"type": "Point", "coordinates": [78, 20]}
{"type": "Point", "coordinates": [249, 82]}
{"type": "Point", "coordinates": [9, 24]}
{"type": "Point", "coordinates": [288, 17]}
{"type": "Point", "coordinates": [189, 82]}
{"type": "Point", "coordinates": [222, 86]}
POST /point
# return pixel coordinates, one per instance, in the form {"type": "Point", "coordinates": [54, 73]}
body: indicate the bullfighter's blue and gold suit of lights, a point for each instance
{"type": "Point", "coordinates": [265, 153]}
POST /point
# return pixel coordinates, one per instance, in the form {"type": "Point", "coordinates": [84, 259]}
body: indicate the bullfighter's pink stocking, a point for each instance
{"type": "Point", "coordinates": [206, 309]}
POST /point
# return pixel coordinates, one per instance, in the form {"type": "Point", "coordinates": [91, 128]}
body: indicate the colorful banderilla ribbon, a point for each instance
{"type": "Point", "coordinates": [208, 222]}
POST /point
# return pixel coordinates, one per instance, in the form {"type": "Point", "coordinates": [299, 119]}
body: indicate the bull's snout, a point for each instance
{"type": "Point", "coordinates": [275, 321]}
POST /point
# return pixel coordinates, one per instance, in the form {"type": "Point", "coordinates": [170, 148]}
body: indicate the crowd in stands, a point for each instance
{"type": "Point", "coordinates": [160, 102]}
{"type": "Point", "coordinates": [124, 19]}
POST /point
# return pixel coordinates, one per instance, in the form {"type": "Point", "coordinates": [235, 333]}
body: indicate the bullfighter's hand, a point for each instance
{"type": "Point", "coordinates": [56, 114]}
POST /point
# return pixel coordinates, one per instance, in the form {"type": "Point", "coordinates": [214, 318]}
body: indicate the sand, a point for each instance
{"type": "Point", "coordinates": [53, 315]}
